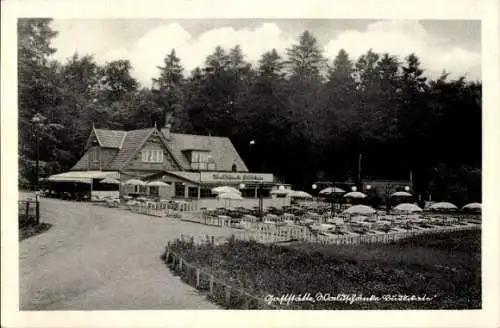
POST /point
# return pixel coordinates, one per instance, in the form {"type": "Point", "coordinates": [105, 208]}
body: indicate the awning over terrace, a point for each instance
{"type": "Point", "coordinates": [83, 176]}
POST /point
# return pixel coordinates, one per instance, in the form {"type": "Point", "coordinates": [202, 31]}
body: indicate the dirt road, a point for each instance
{"type": "Point", "coordinates": [98, 258]}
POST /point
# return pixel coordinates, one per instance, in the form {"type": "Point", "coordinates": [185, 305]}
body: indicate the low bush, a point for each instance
{"type": "Point", "coordinates": [32, 230]}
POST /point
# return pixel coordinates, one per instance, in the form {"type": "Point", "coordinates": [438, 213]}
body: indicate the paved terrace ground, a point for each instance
{"type": "Point", "coordinates": [98, 258]}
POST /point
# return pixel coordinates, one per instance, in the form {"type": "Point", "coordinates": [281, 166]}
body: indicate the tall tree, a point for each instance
{"type": "Point", "coordinates": [271, 65]}
{"type": "Point", "coordinates": [306, 66]}
{"type": "Point", "coordinates": [337, 114]}
{"type": "Point", "coordinates": [220, 85]}
{"type": "Point", "coordinates": [196, 101]}
{"type": "Point", "coordinates": [342, 68]}
{"type": "Point", "coordinates": [37, 91]}
{"type": "Point", "coordinates": [79, 82]}
{"type": "Point", "coordinates": [413, 107]}
{"type": "Point", "coordinates": [261, 119]}
{"type": "Point", "coordinates": [117, 80]}
{"type": "Point", "coordinates": [366, 69]}
{"type": "Point", "coordinates": [305, 59]}
{"type": "Point", "coordinates": [33, 50]}
{"type": "Point", "coordinates": [169, 91]}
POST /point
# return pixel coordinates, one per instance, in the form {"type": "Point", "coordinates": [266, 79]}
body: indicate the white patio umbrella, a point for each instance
{"type": "Point", "coordinates": [473, 206]}
{"type": "Point", "coordinates": [401, 194]}
{"type": "Point", "coordinates": [229, 196]}
{"type": "Point", "coordinates": [157, 184]}
{"type": "Point", "coordinates": [135, 182]}
{"type": "Point", "coordinates": [355, 194]}
{"type": "Point", "coordinates": [225, 190]}
{"type": "Point", "coordinates": [323, 226]}
{"type": "Point", "coordinates": [360, 209]}
{"type": "Point", "coordinates": [331, 190]}
{"type": "Point", "coordinates": [443, 206]}
{"type": "Point", "coordinates": [110, 181]}
{"type": "Point", "coordinates": [407, 208]}
{"type": "Point", "coordinates": [299, 194]}
{"type": "Point", "coordinates": [280, 192]}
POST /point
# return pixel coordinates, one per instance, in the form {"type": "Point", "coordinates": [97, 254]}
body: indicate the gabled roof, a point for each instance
{"type": "Point", "coordinates": [221, 149]}
{"type": "Point", "coordinates": [82, 164]}
{"type": "Point", "coordinates": [133, 141]}
{"type": "Point", "coordinates": [110, 138]}
{"type": "Point", "coordinates": [128, 143]}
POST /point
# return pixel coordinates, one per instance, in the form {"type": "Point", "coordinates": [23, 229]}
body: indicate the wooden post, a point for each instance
{"type": "Point", "coordinates": [37, 211]}
{"type": "Point", "coordinates": [197, 277]}
{"type": "Point", "coordinates": [228, 294]}
{"type": "Point", "coordinates": [167, 254]}
{"type": "Point", "coordinates": [211, 286]}
{"type": "Point", "coordinates": [180, 264]}
{"type": "Point", "coordinates": [27, 211]}
{"type": "Point", "coordinates": [212, 240]}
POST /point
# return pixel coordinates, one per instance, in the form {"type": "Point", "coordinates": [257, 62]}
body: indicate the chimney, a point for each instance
{"type": "Point", "coordinates": [167, 126]}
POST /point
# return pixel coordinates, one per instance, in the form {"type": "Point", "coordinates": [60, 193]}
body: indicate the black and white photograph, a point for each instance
{"type": "Point", "coordinates": [249, 164]}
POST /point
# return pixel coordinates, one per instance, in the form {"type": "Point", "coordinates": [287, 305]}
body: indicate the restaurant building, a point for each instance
{"type": "Point", "coordinates": [190, 165]}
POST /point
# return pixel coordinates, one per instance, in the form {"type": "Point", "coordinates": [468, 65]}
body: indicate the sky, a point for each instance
{"type": "Point", "coordinates": [451, 45]}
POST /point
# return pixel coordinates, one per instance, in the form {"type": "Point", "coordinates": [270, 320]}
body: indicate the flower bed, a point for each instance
{"type": "Point", "coordinates": [445, 267]}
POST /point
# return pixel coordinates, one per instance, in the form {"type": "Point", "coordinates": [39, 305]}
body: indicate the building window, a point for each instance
{"type": "Point", "coordinates": [94, 156]}
{"type": "Point", "coordinates": [154, 191]}
{"type": "Point", "coordinates": [140, 189]}
{"type": "Point", "coordinates": [248, 192]}
{"type": "Point", "coordinates": [200, 160]}
{"type": "Point", "coordinates": [152, 156]}
{"type": "Point", "coordinates": [233, 168]}
{"type": "Point", "coordinates": [206, 193]}
{"type": "Point", "coordinates": [179, 189]}
{"type": "Point", "coordinates": [193, 192]}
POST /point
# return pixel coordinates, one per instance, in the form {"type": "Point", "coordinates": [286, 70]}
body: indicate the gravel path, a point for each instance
{"type": "Point", "coordinates": [98, 258]}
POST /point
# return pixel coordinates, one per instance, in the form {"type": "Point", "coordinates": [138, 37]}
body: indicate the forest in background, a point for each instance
{"type": "Point", "coordinates": [309, 117]}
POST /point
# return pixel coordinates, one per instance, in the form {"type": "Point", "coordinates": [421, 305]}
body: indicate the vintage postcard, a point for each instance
{"type": "Point", "coordinates": [258, 162]}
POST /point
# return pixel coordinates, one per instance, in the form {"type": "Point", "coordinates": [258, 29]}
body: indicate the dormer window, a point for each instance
{"type": "Point", "coordinates": [201, 160]}
{"type": "Point", "coordinates": [211, 164]}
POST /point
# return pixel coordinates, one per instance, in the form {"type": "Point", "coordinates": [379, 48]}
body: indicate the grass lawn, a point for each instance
{"type": "Point", "coordinates": [446, 268]}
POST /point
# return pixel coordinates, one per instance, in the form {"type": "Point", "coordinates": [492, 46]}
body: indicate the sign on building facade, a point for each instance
{"type": "Point", "coordinates": [218, 177]}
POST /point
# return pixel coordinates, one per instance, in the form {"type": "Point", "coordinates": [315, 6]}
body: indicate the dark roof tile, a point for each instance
{"type": "Point", "coordinates": [82, 164]}
{"type": "Point", "coordinates": [131, 144]}
{"type": "Point", "coordinates": [110, 138]}
{"type": "Point", "coordinates": [221, 149]}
